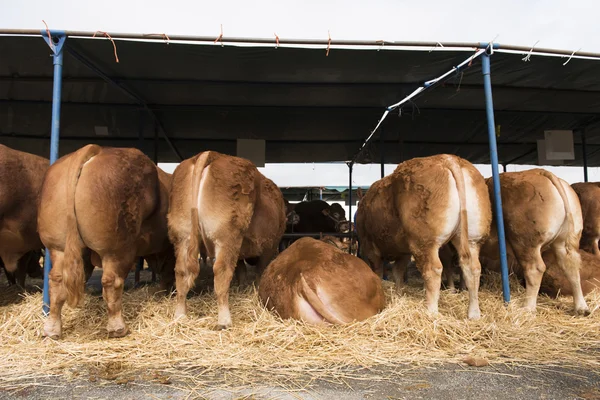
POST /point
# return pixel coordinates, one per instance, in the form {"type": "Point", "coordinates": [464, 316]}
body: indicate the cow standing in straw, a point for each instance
{"type": "Point", "coordinates": [21, 176]}
{"type": "Point", "coordinates": [424, 204]}
{"type": "Point", "coordinates": [111, 202]}
{"type": "Point", "coordinates": [541, 214]}
{"type": "Point", "coordinates": [226, 206]}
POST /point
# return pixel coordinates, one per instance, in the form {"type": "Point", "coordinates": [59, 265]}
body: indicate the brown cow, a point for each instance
{"type": "Point", "coordinates": [226, 205]}
{"type": "Point", "coordinates": [21, 176]}
{"type": "Point", "coordinates": [28, 265]}
{"type": "Point", "coordinates": [425, 203]}
{"type": "Point", "coordinates": [112, 203]}
{"type": "Point", "coordinates": [541, 212]}
{"type": "Point", "coordinates": [589, 198]}
{"type": "Point", "coordinates": [554, 282]}
{"type": "Point", "coordinates": [317, 282]}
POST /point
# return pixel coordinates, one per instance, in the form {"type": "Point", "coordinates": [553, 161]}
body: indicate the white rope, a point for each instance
{"type": "Point", "coordinates": [417, 91]}
{"type": "Point", "coordinates": [571, 56]}
{"type": "Point", "coordinates": [528, 56]}
{"type": "Point", "coordinates": [434, 47]}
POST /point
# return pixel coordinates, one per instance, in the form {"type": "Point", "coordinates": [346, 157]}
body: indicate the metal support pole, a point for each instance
{"type": "Point", "coordinates": [489, 108]}
{"type": "Point", "coordinates": [584, 151]}
{"type": "Point", "coordinates": [320, 193]}
{"type": "Point", "coordinates": [350, 166]}
{"type": "Point", "coordinates": [55, 42]}
{"type": "Point", "coordinates": [503, 167]}
{"type": "Point", "coordinates": [382, 151]}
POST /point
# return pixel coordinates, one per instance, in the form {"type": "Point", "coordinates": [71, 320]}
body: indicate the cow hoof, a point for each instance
{"type": "Point", "coordinates": [52, 330]}
{"type": "Point", "coordinates": [51, 336]}
{"type": "Point", "coordinates": [583, 312]}
{"type": "Point", "coordinates": [222, 327]}
{"type": "Point", "coordinates": [474, 316]}
{"type": "Point", "coordinates": [118, 333]}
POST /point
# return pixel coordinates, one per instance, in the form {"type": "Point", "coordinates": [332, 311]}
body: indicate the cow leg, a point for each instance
{"type": "Point", "coordinates": [187, 269]}
{"type": "Point", "coordinates": [241, 273]}
{"type": "Point", "coordinates": [471, 274]}
{"type": "Point", "coordinates": [570, 263]}
{"type": "Point", "coordinates": [224, 269]}
{"type": "Point", "coordinates": [590, 244]}
{"type": "Point", "coordinates": [429, 264]}
{"type": "Point", "coordinates": [114, 273]}
{"type": "Point", "coordinates": [399, 271]}
{"type": "Point", "coordinates": [58, 297]}
{"type": "Point", "coordinates": [533, 267]}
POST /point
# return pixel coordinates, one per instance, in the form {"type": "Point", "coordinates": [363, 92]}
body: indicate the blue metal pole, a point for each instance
{"type": "Point", "coordinates": [55, 42]}
{"type": "Point", "coordinates": [489, 108]}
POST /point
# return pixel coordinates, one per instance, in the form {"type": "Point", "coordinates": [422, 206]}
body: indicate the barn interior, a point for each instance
{"type": "Point", "coordinates": [307, 102]}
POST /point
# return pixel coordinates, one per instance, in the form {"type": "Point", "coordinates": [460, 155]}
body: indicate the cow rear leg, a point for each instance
{"type": "Point", "coordinates": [399, 272]}
{"type": "Point", "coordinates": [429, 264]}
{"type": "Point", "coordinates": [241, 273]}
{"type": "Point", "coordinates": [470, 267]}
{"type": "Point", "coordinates": [58, 297]}
{"type": "Point", "coordinates": [187, 269]}
{"type": "Point", "coordinates": [223, 268]}
{"type": "Point", "coordinates": [533, 267]}
{"type": "Point", "coordinates": [114, 273]}
{"type": "Point", "coordinates": [570, 263]}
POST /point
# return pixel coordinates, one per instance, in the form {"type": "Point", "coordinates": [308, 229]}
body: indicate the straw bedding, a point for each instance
{"type": "Point", "coordinates": [260, 347]}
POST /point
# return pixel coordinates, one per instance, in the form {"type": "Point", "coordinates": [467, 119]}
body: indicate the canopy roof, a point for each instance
{"type": "Point", "coordinates": [308, 106]}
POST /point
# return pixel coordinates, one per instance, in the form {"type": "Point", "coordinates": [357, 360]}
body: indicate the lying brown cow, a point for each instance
{"type": "Point", "coordinates": [589, 198]}
{"type": "Point", "coordinates": [422, 205]}
{"type": "Point", "coordinates": [317, 282]}
{"type": "Point", "coordinates": [226, 205]}
{"type": "Point", "coordinates": [111, 202]}
{"type": "Point", "coordinates": [21, 176]}
{"type": "Point", "coordinates": [541, 212]}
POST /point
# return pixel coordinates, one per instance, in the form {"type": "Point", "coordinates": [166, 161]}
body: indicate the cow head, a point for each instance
{"type": "Point", "coordinates": [336, 213]}
{"type": "Point", "coordinates": [336, 242]}
{"type": "Point", "coordinates": [292, 218]}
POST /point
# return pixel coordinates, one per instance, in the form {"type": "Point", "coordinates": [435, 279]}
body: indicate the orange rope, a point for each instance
{"type": "Point", "coordinates": [112, 41]}
{"type": "Point", "coordinates": [472, 58]}
{"type": "Point", "coordinates": [49, 36]}
{"type": "Point", "coordinates": [220, 37]}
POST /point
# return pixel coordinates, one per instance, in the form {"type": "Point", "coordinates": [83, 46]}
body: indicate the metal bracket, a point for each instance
{"type": "Point", "coordinates": [58, 40]}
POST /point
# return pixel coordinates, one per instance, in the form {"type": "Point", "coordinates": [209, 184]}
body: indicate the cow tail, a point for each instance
{"type": "Point", "coordinates": [194, 245]}
{"type": "Point", "coordinates": [573, 240]}
{"type": "Point", "coordinates": [73, 274]}
{"type": "Point", "coordinates": [313, 299]}
{"type": "Point", "coordinates": [463, 248]}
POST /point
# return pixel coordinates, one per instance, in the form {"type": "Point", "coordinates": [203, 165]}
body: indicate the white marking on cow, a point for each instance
{"type": "Point", "coordinates": [307, 312]}
{"type": "Point", "coordinates": [207, 220]}
{"type": "Point", "coordinates": [474, 210]}
{"type": "Point", "coordinates": [575, 207]}
{"type": "Point", "coordinates": [452, 217]}
{"type": "Point", "coordinates": [90, 159]}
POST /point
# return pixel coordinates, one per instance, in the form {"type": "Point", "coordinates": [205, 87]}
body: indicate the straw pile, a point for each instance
{"type": "Point", "coordinates": [260, 347]}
